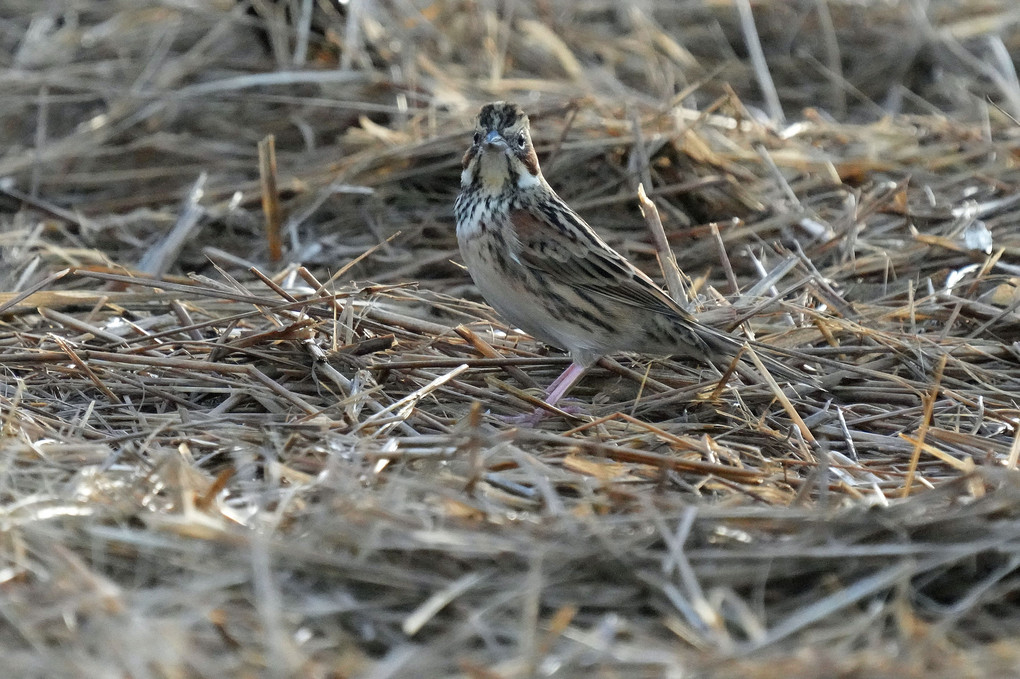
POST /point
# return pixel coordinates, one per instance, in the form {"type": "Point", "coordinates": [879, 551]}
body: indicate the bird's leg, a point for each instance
{"type": "Point", "coordinates": [562, 384]}
{"type": "Point", "coordinates": [557, 390]}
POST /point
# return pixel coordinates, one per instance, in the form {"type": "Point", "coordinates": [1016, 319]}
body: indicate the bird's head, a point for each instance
{"type": "Point", "coordinates": [501, 156]}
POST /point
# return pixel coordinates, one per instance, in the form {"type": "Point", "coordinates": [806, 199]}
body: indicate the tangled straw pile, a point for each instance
{"type": "Point", "coordinates": [216, 465]}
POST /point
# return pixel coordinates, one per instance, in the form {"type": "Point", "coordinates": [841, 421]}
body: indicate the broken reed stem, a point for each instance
{"type": "Point", "coordinates": [630, 454]}
{"type": "Point", "coordinates": [640, 152]}
{"type": "Point", "coordinates": [798, 421]}
{"type": "Point", "coordinates": [31, 290]}
{"type": "Point", "coordinates": [84, 367]}
{"type": "Point", "coordinates": [724, 257]}
{"type": "Point", "coordinates": [922, 430]}
{"type": "Point", "coordinates": [270, 196]}
{"type": "Point", "coordinates": [667, 261]}
{"type": "Point", "coordinates": [1014, 452]}
{"type": "Point", "coordinates": [758, 61]}
{"type": "Point", "coordinates": [486, 350]}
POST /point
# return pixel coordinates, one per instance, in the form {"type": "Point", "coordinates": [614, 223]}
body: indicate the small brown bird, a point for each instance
{"type": "Point", "coordinates": [540, 265]}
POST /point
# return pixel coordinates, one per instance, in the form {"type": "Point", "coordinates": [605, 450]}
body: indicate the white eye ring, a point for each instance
{"type": "Point", "coordinates": [522, 141]}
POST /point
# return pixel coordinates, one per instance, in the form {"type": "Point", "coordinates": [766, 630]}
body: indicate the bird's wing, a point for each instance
{"type": "Point", "coordinates": [555, 242]}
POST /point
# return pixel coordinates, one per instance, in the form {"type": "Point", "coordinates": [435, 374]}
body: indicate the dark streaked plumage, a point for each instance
{"type": "Point", "coordinates": [540, 265]}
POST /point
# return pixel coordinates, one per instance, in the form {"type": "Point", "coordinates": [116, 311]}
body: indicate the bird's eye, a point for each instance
{"type": "Point", "coordinates": [478, 137]}
{"type": "Point", "coordinates": [522, 140]}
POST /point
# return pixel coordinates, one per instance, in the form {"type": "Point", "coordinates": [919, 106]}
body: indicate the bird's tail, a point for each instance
{"type": "Point", "coordinates": [726, 345]}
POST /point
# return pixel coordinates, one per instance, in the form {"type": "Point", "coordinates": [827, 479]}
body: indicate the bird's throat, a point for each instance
{"type": "Point", "coordinates": [493, 170]}
{"type": "Point", "coordinates": [497, 171]}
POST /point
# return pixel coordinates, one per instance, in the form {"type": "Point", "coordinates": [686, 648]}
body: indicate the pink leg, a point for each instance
{"type": "Point", "coordinates": [562, 384]}
{"type": "Point", "coordinates": [557, 390]}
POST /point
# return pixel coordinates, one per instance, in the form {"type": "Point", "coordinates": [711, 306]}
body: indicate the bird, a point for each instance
{"type": "Point", "coordinates": [541, 266]}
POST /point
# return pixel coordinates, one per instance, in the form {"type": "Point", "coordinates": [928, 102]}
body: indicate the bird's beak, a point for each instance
{"type": "Point", "coordinates": [494, 140]}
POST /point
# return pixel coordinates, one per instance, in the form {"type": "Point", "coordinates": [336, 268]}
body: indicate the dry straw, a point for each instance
{"type": "Point", "coordinates": [211, 465]}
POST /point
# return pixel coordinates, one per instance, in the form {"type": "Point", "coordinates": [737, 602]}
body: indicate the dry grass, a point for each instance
{"type": "Point", "coordinates": [216, 464]}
